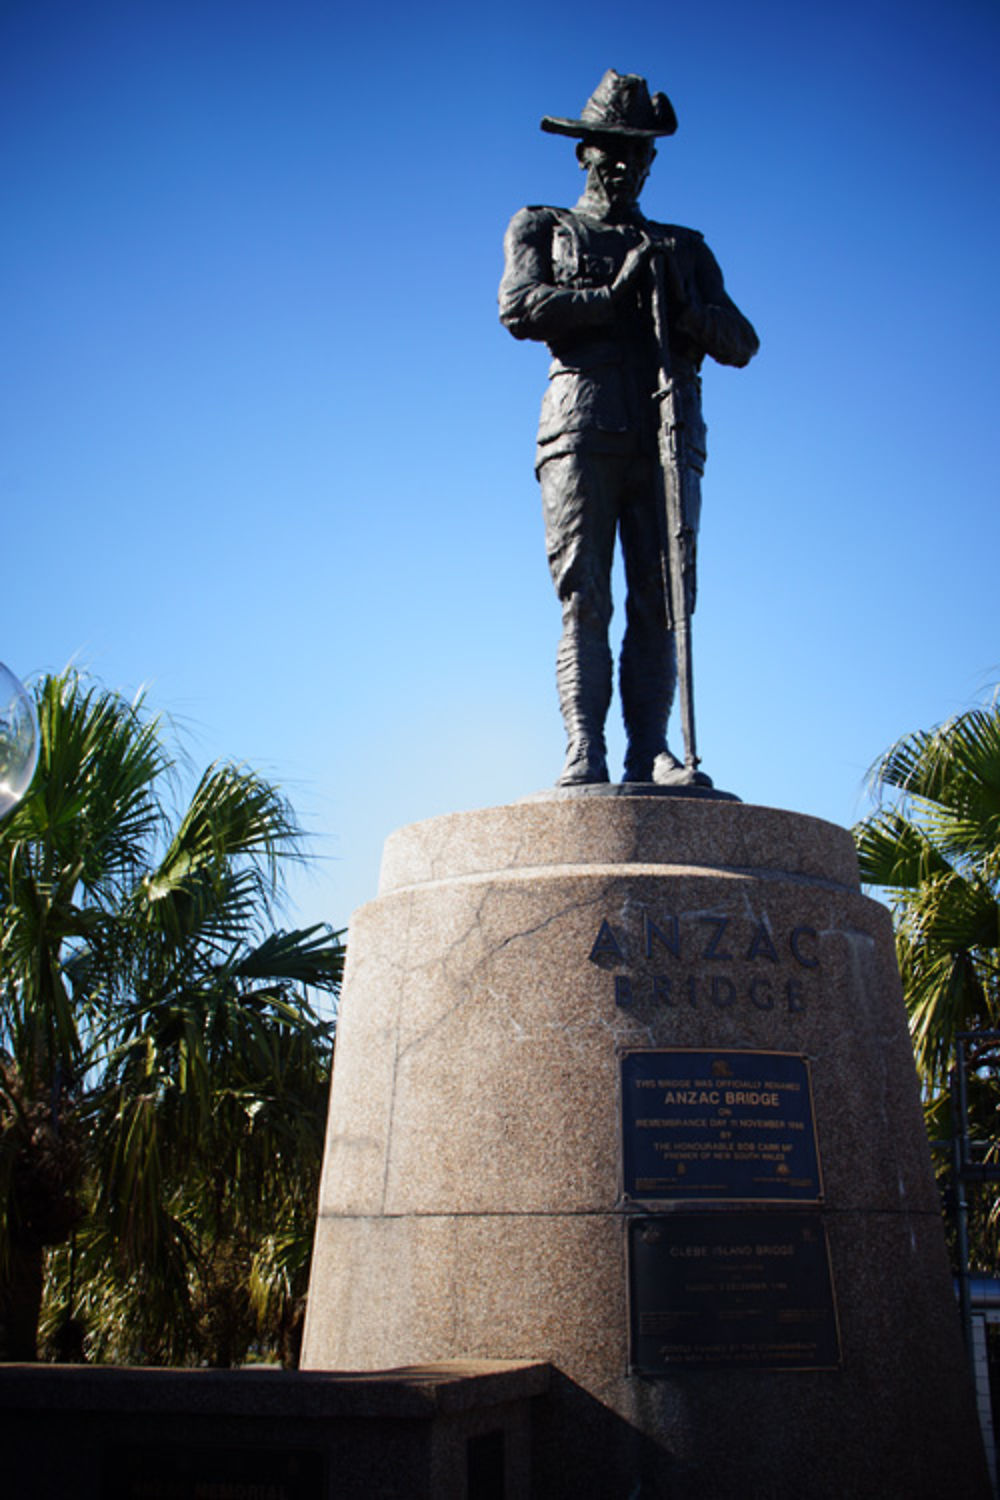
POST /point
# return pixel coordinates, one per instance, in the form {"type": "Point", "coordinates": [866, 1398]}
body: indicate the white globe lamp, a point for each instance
{"type": "Point", "coordinates": [18, 739]}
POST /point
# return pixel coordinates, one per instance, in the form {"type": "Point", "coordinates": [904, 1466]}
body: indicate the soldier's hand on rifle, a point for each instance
{"type": "Point", "coordinates": [683, 298]}
{"type": "Point", "coordinates": [628, 278]}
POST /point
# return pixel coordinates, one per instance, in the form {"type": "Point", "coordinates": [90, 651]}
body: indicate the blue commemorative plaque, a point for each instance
{"type": "Point", "coordinates": [718, 1125]}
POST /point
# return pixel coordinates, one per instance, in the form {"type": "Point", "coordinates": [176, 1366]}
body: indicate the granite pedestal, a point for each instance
{"type": "Point", "coordinates": [474, 1201]}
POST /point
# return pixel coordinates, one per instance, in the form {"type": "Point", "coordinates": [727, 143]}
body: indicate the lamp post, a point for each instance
{"type": "Point", "coordinates": [18, 740]}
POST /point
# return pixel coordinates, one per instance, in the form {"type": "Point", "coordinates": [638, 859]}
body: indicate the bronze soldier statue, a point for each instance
{"type": "Point", "coordinates": [629, 308]}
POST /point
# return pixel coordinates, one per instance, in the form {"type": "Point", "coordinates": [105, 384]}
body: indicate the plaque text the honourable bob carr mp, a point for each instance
{"type": "Point", "coordinates": [718, 1125]}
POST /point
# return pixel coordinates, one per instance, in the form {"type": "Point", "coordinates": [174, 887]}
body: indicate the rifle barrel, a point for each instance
{"type": "Point", "coordinates": [676, 537]}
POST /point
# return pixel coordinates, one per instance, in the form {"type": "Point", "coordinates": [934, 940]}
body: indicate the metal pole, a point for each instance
{"type": "Point", "coordinates": [960, 1157]}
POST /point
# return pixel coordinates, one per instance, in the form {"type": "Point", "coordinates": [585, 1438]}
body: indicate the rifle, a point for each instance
{"type": "Point", "coordinates": [677, 535]}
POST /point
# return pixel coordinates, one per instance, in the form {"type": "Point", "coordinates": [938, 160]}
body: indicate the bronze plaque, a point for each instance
{"type": "Point", "coordinates": [730, 1289]}
{"type": "Point", "coordinates": [718, 1125]}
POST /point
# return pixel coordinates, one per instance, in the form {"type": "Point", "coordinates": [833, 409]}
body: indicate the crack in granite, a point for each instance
{"type": "Point", "coordinates": [387, 1157]}
{"type": "Point", "coordinates": [467, 980]}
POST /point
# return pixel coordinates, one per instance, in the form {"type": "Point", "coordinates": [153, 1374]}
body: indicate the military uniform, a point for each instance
{"type": "Point", "coordinates": [597, 454]}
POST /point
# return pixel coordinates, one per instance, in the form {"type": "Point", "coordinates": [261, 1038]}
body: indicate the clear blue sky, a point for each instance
{"type": "Point", "coordinates": [266, 449]}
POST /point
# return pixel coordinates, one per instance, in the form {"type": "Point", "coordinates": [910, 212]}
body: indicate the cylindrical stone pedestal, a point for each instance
{"type": "Point", "coordinates": [475, 1203]}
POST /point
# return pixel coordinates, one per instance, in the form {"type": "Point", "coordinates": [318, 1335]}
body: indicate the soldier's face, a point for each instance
{"type": "Point", "coordinates": [620, 165]}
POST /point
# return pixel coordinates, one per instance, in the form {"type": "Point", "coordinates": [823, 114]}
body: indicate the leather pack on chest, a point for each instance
{"type": "Point", "coordinates": [588, 255]}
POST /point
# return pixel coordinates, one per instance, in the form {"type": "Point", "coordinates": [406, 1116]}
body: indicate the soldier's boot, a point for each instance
{"type": "Point", "coordinates": [583, 677]}
{"type": "Point", "coordinates": [586, 758]}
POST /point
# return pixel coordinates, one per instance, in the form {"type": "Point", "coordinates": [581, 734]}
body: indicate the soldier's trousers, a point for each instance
{"type": "Point", "coordinates": [588, 499]}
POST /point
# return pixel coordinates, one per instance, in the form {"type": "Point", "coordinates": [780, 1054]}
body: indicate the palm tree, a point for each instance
{"type": "Point", "coordinates": [162, 1068]}
{"type": "Point", "coordinates": [936, 853]}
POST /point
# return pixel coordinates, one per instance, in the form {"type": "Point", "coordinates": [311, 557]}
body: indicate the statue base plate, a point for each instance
{"type": "Point", "coordinates": [631, 789]}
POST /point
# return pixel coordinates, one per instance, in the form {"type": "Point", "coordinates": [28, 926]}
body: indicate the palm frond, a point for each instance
{"type": "Point", "coordinates": [150, 1010]}
{"type": "Point", "coordinates": [936, 853]}
{"type": "Point", "coordinates": [896, 853]}
{"type": "Point", "coordinates": [313, 956]}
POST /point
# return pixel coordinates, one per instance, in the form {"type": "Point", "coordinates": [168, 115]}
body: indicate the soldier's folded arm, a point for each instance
{"type": "Point", "coordinates": [532, 306]}
{"type": "Point", "coordinates": [713, 320]}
